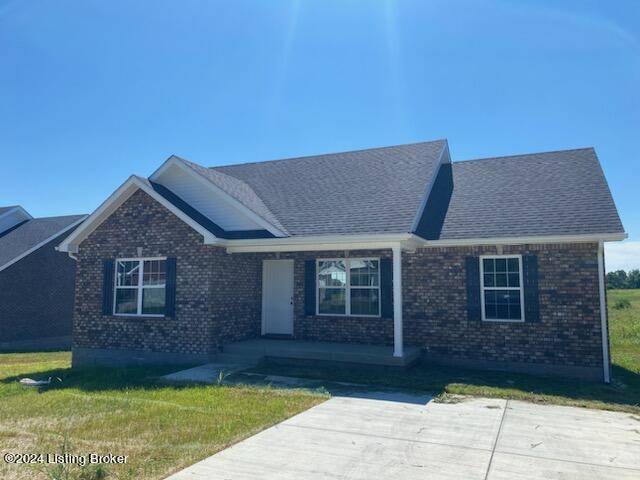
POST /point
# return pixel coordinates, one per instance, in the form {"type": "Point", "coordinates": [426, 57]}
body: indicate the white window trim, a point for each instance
{"type": "Point", "coordinates": [347, 288]}
{"type": "Point", "coordinates": [520, 289]}
{"type": "Point", "coordinates": [138, 287]}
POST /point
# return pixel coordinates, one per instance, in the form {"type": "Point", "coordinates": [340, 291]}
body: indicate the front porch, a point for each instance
{"type": "Point", "coordinates": [341, 303]}
{"type": "Point", "coordinates": [260, 348]}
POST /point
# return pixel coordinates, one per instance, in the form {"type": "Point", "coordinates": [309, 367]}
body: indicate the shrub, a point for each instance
{"type": "Point", "coordinates": [622, 304]}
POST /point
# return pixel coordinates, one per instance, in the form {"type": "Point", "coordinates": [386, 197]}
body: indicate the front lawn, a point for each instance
{"type": "Point", "coordinates": [624, 328]}
{"type": "Point", "coordinates": [126, 412]}
{"type": "Point", "coordinates": [165, 428]}
{"type": "Point", "coordinates": [623, 394]}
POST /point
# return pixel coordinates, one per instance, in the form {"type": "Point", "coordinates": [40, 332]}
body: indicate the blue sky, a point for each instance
{"type": "Point", "coordinates": [91, 92]}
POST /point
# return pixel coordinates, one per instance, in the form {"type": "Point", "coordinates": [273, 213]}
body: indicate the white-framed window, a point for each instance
{"type": "Point", "coordinates": [348, 286]}
{"type": "Point", "coordinates": [140, 287]}
{"type": "Point", "coordinates": [501, 296]}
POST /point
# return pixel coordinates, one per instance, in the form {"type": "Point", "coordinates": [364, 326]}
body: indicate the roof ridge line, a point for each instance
{"type": "Point", "coordinates": [524, 154]}
{"type": "Point", "coordinates": [326, 154]}
{"type": "Point", "coordinates": [60, 216]}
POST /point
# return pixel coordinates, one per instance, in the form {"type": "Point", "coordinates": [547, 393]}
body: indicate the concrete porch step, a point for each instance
{"type": "Point", "coordinates": [321, 351]}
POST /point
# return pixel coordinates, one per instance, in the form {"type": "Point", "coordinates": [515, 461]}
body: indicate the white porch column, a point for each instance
{"type": "Point", "coordinates": [397, 301]}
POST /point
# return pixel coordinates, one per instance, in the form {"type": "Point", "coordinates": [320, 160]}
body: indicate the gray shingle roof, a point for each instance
{"type": "Point", "coordinates": [552, 193]}
{"type": "Point", "coordinates": [29, 234]}
{"type": "Point", "coordinates": [367, 191]}
{"type": "Point", "coordinates": [381, 190]}
{"type": "Point", "coordinates": [6, 209]}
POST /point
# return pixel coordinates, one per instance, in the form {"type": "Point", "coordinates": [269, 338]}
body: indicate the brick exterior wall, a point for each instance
{"type": "Point", "coordinates": [568, 333]}
{"type": "Point", "coordinates": [36, 297]}
{"type": "Point", "coordinates": [219, 297]}
{"type": "Point", "coordinates": [217, 300]}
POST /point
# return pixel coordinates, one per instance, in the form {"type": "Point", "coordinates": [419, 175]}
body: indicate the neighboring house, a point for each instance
{"type": "Point", "coordinates": [493, 263]}
{"type": "Point", "coordinates": [36, 281]}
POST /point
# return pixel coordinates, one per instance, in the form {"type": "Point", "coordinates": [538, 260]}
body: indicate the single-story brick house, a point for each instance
{"type": "Point", "coordinates": [495, 263]}
{"type": "Point", "coordinates": [36, 281]}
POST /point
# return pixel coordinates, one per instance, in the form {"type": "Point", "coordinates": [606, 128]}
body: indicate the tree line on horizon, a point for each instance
{"type": "Point", "coordinates": [622, 279]}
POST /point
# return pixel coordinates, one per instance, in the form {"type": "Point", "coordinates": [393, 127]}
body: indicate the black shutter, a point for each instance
{"type": "Point", "coordinates": [107, 286]}
{"type": "Point", "coordinates": [531, 294]}
{"type": "Point", "coordinates": [310, 287]}
{"type": "Point", "coordinates": [472, 267]}
{"type": "Point", "coordinates": [170, 288]}
{"type": "Point", "coordinates": [386, 287]}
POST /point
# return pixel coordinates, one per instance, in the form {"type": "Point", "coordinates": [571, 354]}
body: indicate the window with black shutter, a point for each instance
{"type": "Point", "coordinates": [501, 288]}
{"type": "Point", "coordinates": [141, 286]}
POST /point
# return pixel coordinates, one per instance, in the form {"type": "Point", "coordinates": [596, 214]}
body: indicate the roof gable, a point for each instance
{"type": "Point", "coordinates": [117, 198]}
{"type": "Point", "coordinates": [540, 194]}
{"type": "Point", "coordinates": [225, 200]}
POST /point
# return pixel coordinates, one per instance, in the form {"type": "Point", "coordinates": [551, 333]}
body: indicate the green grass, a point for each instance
{"type": "Point", "coordinates": [165, 428]}
{"type": "Point", "coordinates": [623, 394]}
{"type": "Point", "coordinates": [127, 411]}
{"type": "Point", "coordinates": [624, 327]}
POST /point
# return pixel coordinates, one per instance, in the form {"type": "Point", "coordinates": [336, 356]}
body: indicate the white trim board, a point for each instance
{"type": "Point", "coordinates": [42, 243]}
{"type": "Point", "coordinates": [585, 238]}
{"type": "Point", "coordinates": [327, 242]}
{"type": "Point", "coordinates": [117, 198]}
{"type": "Point", "coordinates": [386, 241]}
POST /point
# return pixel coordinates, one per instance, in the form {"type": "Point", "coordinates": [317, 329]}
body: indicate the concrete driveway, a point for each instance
{"type": "Point", "coordinates": [395, 436]}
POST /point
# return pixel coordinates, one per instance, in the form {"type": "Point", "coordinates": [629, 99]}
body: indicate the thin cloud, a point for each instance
{"type": "Point", "coordinates": [622, 256]}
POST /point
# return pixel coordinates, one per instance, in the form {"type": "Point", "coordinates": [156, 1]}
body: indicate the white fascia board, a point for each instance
{"type": "Point", "coordinates": [42, 243]}
{"type": "Point", "coordinates": [444, 158]}
{"type": "Point", "coordinates": [177, 161]}
{"type": "Point", "coordinates": [604, 237]}
{"type": "Point", "coordinates": [164, 167]}
{"type": "Point", "coordinates": [322, 242]}
{"type": "Point", "coordinates": [117, 198]}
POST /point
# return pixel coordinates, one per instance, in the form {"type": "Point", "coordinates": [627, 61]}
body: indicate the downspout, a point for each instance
{"type": "Point", "coordinates": [398, 344]}
{"type": "Point", "coordinates": [606, 366]}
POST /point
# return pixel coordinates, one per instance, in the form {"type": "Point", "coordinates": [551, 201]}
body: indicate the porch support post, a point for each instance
{"type": "Point", "coordinates": [398, 349]}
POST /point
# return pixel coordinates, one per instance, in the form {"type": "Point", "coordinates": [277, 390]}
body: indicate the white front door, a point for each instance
{"type": "Point", "coordinates": [277, 297]}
